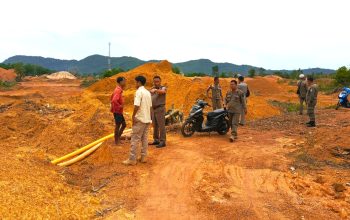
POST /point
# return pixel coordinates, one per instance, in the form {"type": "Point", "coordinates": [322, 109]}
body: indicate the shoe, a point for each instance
{"type": "Point", "coordinates": [241, 124]}
{"type": "Point", "coordinates": [155, 143]}
{"type": "Point", "coordinates": [232, 139]}
{"type": "Point", "coordinates": [311, 124]}
{"type": "Point", "coordinates": [307, 123]}
{"type": "Point", "coordinates": [160, 145]}
{"type": "Point", "coordinates": [143, 159]}
{"type": "Point", "coordinates": [129, 162]}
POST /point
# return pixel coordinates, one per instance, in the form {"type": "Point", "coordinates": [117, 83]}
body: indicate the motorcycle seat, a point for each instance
{"type": "Point", "coordinates": [216, 112]}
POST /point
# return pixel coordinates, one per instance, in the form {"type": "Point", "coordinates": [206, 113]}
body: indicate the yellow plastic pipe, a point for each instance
{"type": "Point", "coordinates": [80, 150]}
{"type": "Point", "coordinates": [81, 156]}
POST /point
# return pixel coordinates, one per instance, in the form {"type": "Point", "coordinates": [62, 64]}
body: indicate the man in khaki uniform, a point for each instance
{"type": "Point", "coordinates": [234, 103]}
{"type": "Point", "coordinates": [311, 101]}
{"type": "Point", "coordinates": [216, 94]}
{"type": "Point", "coordinates": [158, 93]}
{"type": "Point", "coordinates": [141, 119]}
{"type": "Point", "coordinates": [302, 89]}
{"type": "Point", "coordinates": [244, 88]}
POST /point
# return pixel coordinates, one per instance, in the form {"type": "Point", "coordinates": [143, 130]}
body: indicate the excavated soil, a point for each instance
{"type": "Point", "coordinates": [277, 169]}
{"type": "Point", "coordinates": [7, 75]}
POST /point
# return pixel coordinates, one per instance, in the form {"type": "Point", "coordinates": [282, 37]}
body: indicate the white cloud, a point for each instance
{"type": "Point", "coordinates": [272, 33]}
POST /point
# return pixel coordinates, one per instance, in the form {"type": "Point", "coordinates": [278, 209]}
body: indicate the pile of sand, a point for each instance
{"type": "Point", "coordinates": [61, 75]}
{"type": "Point", "coordinates": [184, 91]}
{"type": "Point", "coordinates": [7, 75]}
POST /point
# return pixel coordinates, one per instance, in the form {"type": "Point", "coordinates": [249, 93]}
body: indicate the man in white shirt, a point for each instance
{"type": "Point", "coordinates": [141, 120]}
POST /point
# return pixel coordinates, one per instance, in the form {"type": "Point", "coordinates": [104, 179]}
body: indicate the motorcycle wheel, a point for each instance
{"type": "Point", "coordinates": [224, 131]}
{"type": "Point", "coordinates": [187, 129]}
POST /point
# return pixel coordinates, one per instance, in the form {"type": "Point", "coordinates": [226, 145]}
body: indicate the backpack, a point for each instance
{"type": "Point", "coordinates": [248, 92]}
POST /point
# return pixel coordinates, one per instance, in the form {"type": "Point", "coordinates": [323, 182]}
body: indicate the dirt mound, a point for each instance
{"type": "Point", "coordinates": [184, 91]}
{"type": "Point", "coordinates": [61, 75]}
{"type": "Point", "coordinates": [7, 75]}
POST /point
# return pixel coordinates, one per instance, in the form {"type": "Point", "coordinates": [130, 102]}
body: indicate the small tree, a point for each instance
{"type": "Point", "coordinates": [20, 71]}
{"type": "Point", "coordinates": [251, 73]}
{"type": "Point", "coordinates": [176, 70]}
{"type": "Point", "coordinates": [261, 71]}
{"type": "Point", "coordinates": [215, 70]}
{"type": "Point", "coordinates": [342, 76]}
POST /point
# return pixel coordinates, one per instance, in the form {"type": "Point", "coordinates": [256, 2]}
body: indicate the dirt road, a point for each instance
{"type": "Point", "coordinates": [260, 176]}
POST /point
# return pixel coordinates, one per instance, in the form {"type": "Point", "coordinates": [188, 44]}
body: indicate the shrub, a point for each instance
{"type": "Point", "coordinates": [7, 85]}
{"type": "Point", "coordinates": [176, 70]}
{"type": "Point", "coordinates": [342, 76]}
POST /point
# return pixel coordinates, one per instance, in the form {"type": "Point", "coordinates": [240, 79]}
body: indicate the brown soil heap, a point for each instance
{"type": "Point", "coordinates": [184, 91]}
{"type": "Point", "coordinates": [7, 75]}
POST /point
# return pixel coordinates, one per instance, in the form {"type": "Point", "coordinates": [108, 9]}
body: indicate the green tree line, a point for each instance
{"type": "Point", "coordinates": [23, 70]}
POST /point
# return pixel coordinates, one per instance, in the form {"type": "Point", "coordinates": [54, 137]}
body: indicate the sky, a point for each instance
{"type": "Point", "coordinates": [274, 34]}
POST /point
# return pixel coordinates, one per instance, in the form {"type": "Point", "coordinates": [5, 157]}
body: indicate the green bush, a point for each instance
{"type": "Point", "coordinates": [109, 73]}
{"type": "Point", "coordinates": [7, 85]}
{"type": "Point", "coordinates": [196, 74]}
{"type": "Point", "coordinates": [88, 82]}
{"type": "Point", "coordinates": [342, 76]}
{"type": "Point", "coordinates": [251, 73]}
{"type": "Point", "coordinates": [176, 70]}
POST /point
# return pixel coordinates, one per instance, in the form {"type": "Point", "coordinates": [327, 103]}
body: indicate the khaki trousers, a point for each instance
{"type": "Point", "coordinates": [311, 112]}
{"type": "Point", "coordinates": [234, 120]}
{"type": "Point", "coordinates": [242, 117]}
{"type": "Point", "coordinates": [158, 119]}
{"type": "Point", "coordinates": [139, 134]}
{"type": "Point", "coordinates": [301, 105]}
{"type": "Point", "coordinates": [216, 104]}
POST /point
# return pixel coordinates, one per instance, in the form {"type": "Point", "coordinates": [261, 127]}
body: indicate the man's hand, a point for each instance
{"type": "Point", "coordinates": [245, 111]}
{"type": "Point", "coordinates": [133, 121]}
{"type": "Point", "coordinates": [153, 90]}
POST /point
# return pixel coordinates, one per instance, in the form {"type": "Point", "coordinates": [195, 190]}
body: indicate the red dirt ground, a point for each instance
{"type": "Point", "coordinates": [277, 169]}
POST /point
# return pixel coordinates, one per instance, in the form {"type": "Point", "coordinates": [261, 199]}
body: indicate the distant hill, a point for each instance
{"type": "Point", "coordinates": [98, 63]}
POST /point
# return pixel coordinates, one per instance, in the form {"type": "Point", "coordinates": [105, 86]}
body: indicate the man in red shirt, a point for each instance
{"type": "Point", "coordinates": [117, 103]}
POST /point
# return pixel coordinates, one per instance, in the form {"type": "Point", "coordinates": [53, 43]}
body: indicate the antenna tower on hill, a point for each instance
{"type": "Point", "coordinates": [109, 56]}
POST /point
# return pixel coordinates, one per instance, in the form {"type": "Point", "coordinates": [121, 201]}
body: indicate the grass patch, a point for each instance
{"type": "Point", "coordinates": [7, 85]}
{"type": "Point", "coordinates": [285, 106]}
{"type": "Point", "coordinates": [87, 82]}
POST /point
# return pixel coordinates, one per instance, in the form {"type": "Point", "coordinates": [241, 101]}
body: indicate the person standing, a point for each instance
{"type": "Point", "coordinates": [141, 119]}
{"type": "Point", "coordinates": [216, 94]}
{"type": "Point", "coordinates": [234, 103]}
{"type": "Point", "coordinates": [302, 89]}
{"type": "Point", "coordinates": [158, 93]}
{"type": "Point", "coordinates": [117, 102]}
{"type": "Point", "coordinates": [311, 101]}
{"type": "Point", "coordinates": [244, 88]}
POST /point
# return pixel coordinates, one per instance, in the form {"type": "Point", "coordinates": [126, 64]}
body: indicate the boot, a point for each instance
{"type": "Point", "coordinates": [154, 143]}
{"type": "Point", "coordinates": [161, 144]}
{"type": "Point", "coordinates": [232, 139]}
{"type": "Point", "coordinates": [311, 124]}
{"type": "Point", "coordinates": [129, 162]}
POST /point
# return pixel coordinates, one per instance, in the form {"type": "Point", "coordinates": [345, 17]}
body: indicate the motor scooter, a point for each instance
{"type": "Point", "coordinates": [217, 120]}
